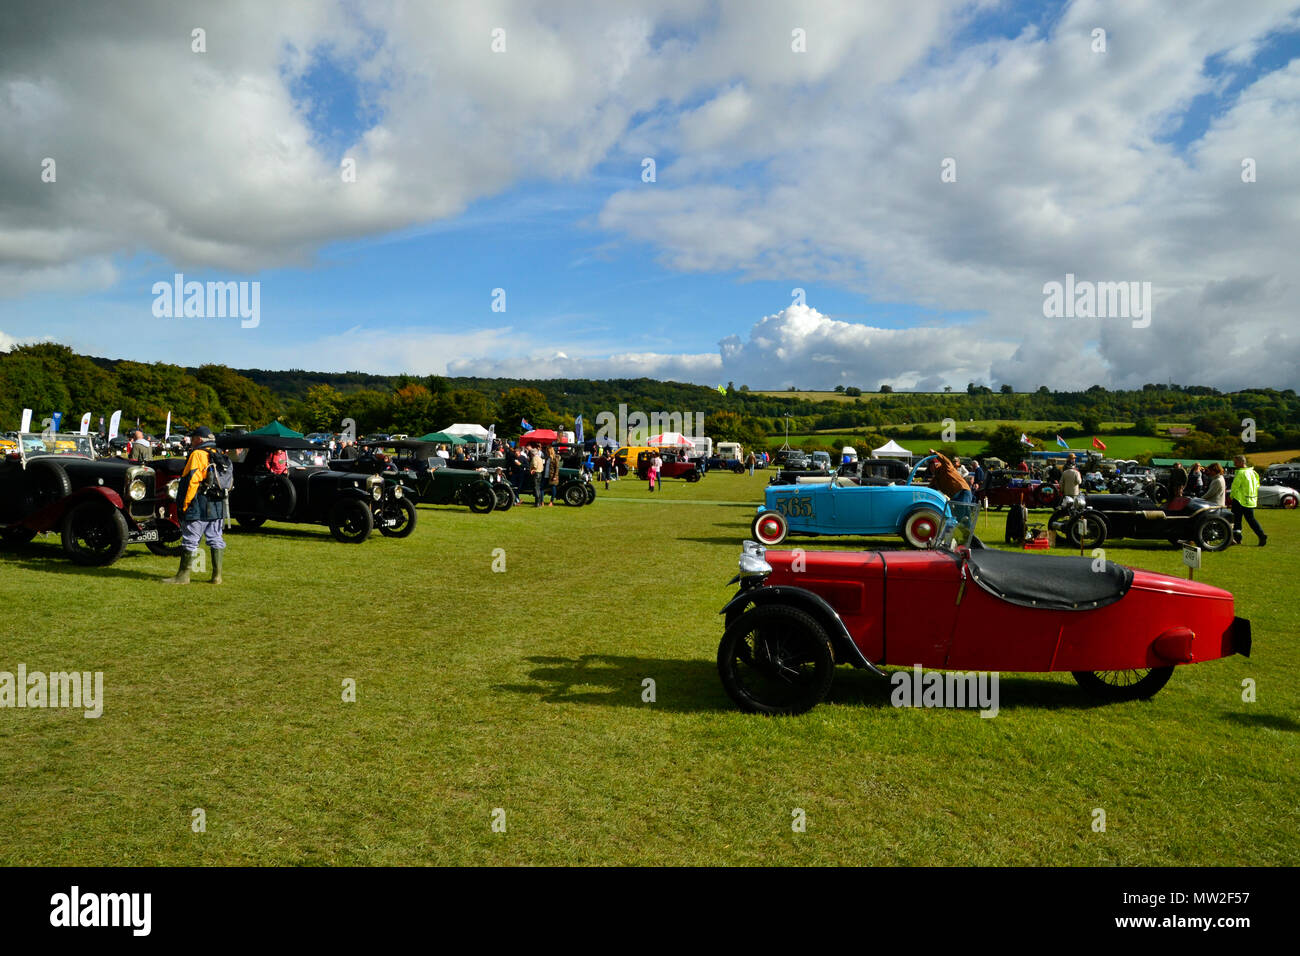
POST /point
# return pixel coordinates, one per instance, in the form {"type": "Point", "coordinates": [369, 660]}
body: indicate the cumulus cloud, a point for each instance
{"type": "Point", "coordinates": [819, 166]}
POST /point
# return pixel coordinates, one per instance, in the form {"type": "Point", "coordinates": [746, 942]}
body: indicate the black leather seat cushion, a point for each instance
{"type": "Point", "coordinates": [1049, 581]}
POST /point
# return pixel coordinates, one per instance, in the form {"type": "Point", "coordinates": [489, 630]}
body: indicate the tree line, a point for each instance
{"type": "Point", "coordinates": [49, 377]}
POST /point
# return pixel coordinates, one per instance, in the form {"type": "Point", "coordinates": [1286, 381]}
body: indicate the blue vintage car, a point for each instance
{"type": "Point", "coordinates": [842, 507]}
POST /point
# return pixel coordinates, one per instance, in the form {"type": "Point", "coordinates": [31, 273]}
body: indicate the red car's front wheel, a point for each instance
{"type": "Point", "coordinates": [922, 527]}
{"type": "Point", "coordinates": [770, 529]}
{"type": "Point", "coordinates": [775, 660]}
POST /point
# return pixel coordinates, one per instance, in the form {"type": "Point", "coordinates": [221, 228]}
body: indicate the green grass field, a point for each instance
{"type": "Point", "coordinates": [522, 691]}
{"type": "Point", "coordinates": [1117, 446]}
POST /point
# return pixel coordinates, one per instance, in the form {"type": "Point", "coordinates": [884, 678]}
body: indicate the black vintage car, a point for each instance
{"type": "Point", "coordinates": [351, 504]}
{"type": "Point", "coordinates": [871, 471]}
{"type": "Point", "coordinates": [427, 478]}
{"type": "Point", "coordinates": [1087, 521]}
{"type": "Point", "coordinates": [53, 482]}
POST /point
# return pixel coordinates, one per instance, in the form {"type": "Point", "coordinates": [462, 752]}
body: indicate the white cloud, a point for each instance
{"type": "Point", "coordinates": [821, 166]}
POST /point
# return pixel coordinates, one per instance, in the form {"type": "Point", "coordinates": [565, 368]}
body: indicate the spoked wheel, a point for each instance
{"type": "Point", "coordinates": [922, 527]}
{"type": "Point", "coordinates": [1290, 502]}
{"type": "Point", "coordinates": [775, 660]}
{"type": "Point", "coordinates": [94, 534]}
{"type": "Point", "coordinates": [1124, 685]}
{"type": "Point", "coordinates": [769, 529]}
{"type": "Point", "coordinates": [351, 521]}
{"type": "Point", "coordinates": [574, 495]}
{"type": "Point", "coordinates": [481, 498]}
{"type": "Point", "coordinates": [505, 497]}
{"type": "Point", "coordinates": [1087, 531]}
{"type": "Point", "coordinates": [591, 493]}
{"type": "Point", "coordinates": [1214, 533]}
{"type": "Point", "coordinates": [403, 512]}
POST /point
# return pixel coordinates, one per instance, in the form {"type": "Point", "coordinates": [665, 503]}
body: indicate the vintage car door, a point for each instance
{"type": "Point", "coordinates": [920, 606]}
{"type": "Point", "coordinates": [849, 506]}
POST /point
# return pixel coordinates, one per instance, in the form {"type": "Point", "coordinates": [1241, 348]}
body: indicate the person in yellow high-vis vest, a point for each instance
{"type": "Point", "coordinates": [1245, 496]}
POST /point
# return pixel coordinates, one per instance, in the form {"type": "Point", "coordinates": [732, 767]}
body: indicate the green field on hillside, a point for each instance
{"type": "Point", "coordinates": [522, 691]}
{"type": "Point", "coordinates": [1117, 446]}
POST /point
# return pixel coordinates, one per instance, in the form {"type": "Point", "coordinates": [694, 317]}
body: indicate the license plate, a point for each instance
{"type": "Point", "coordinates": [142, 536]}
{"type": "Point", "coordinates": [390, 522]}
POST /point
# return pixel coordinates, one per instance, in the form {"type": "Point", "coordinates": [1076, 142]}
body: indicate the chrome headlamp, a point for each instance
{"type": "Point", "coordinates": [397, 491]}
{"type": "Point", "coordinates": [136, 486]}
{"type": "Point", "coordinates": [753, 560]}
{"type": "Point", "coordinates": [376, 487]}
{"type": "Point", "coordinates": [173, 488]}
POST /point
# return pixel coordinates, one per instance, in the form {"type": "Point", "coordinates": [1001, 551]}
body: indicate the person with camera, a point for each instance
{"type": "Point", "coordinates": [201, 503]}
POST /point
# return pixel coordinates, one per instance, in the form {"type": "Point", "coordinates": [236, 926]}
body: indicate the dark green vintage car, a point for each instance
{"type": "Point", "coordinates": [426, 477]}
{"type": "Point", "coordinates": [575, 489]}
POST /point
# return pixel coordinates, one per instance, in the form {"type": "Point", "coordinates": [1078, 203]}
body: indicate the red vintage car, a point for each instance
{"type": "Point", "coordinates": [962, 607]}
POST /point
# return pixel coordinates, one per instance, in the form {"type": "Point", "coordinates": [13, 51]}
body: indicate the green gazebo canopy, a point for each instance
{"type": "Point", "coordinates": [276, 430]}
{"type": "Point", "coordinates": [444, 439]}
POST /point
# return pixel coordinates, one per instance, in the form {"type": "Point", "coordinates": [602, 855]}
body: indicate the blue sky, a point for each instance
{"type": "Point", "coordinates": [599, 266]}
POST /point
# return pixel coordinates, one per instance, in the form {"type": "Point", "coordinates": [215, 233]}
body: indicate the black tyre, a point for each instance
{"type": "Point", "coordinates": [94, 534]}
{"type": "Point", "coordinates": [1047, 496]}
{"type": "Point", "coordinates": [481, 498]}
{"type": "Point", "coordinates": [277, 496]}
{"type": "Point", "coordinates": [1087, 531]}
{"type": "Point", "coordinates": [505, 497]}
{"type": "Point", "coordinates": [16, 536]}
{"type": "Point", "coordinates": [775, 660]}
{"type": "Point", "coordinates": [1060, 520]}
{"type": "Point", "coordinates": [591, 493]}
{"type": "Point", "coordinates": [168, 544]}
{"type": "Point", "coordinates": [692, 476]}
{"type": "Point", "coordinates": [573, 494]}
{"type": "Point", "coordinates": [351, 521]}
{"type": "Point", "coordinates": [1124, 685]}
{"type": "Point", "coordinates": [769, 529]}
{"type": "Point", "coordinates": [1214, 533]}
{"type": "Point", "coordinates": [47, 483]}
{"type": "Point", "coordinates": [404, 512]}
{"type": "Point", "coordinates": [250, 522]}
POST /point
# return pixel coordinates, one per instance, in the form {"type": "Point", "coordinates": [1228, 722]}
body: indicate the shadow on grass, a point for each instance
{"type": "Point", "coordinates": [693, 686]}
{"type": "Point", "coordinates": [1270, 721]}
{"type": "Point", "coordinates": [29, 559]}
{"type": "Point", "coordinates": [689, 686]}
{"type": "Point", "coordinates": [1030, 692]}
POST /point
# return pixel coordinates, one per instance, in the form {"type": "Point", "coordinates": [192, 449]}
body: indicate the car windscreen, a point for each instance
{"type": "Point", "coordinates": [54, 444]}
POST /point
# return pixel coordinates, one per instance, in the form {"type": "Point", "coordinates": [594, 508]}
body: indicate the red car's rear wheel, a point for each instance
{"type": "Point", "coordinates": [776, 660]}
{"type": "Point", "coordinates": [769, 529]}
{"type": "Point", "coordinates": [1124, 685]}
{"type": "Point", "coordinates": [921, 527]}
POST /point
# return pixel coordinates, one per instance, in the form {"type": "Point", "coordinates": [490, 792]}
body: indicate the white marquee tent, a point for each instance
{"type": "Point", "coordinates": [476, 432]}
{"type": "Point", "coordinates": [890, 449]}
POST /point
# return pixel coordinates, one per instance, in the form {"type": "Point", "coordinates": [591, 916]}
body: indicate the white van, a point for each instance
{"type": "Point", "coordinates": [703, 447]}
{"type": "Point", "coordinates": [729, 450]}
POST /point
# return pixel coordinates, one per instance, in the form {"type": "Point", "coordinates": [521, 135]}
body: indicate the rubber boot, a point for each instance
{"type": "Point", "coordinates": [182, 576]}
{"type": "Point", "coordinates": [218, 555]}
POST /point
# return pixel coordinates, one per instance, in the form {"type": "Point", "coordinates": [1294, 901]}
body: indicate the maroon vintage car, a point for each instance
{"type": "Point", "coordinates": [674, 466]}
{"type": "Point", "coordinates": [1003, 489]}
{"type": "Point", "coordinates": [962, 607]}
